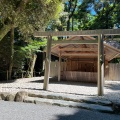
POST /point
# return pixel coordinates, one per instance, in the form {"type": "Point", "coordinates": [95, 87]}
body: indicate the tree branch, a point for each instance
{"type": "Point", "coordinates": [21, 5]}
{"type": "Point", "coordinates": [4, 30]}
{"type": "Point", "coordinates": [73, 9]}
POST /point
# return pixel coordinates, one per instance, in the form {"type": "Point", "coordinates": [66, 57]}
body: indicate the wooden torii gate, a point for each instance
{"type": "Point", "coordinates": [98, 33]}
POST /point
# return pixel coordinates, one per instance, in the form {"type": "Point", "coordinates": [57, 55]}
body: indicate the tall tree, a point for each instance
{"type": "Point", "coordinates": [70, 7]}
{"type": "Point", "coordinates": [27, 15]}
{"type": "Point", "coordinates": [107, 14]}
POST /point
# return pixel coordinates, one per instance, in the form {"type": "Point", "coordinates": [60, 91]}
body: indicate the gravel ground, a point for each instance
{"type": "Point", "coordinates": [35, 85]}
{"type": "Point", "coordinates": [22, 111]}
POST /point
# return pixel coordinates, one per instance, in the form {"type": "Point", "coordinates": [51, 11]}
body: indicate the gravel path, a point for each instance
{"type": "Point", "coordinates": [35, 85]}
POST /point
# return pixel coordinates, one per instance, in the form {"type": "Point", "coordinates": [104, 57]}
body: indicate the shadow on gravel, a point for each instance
{"type": "Point", "coordinates": [88, 115]}
{"type": "Point", "coordinates": [113, 86]}
{"type": "Point", "coordinates": [54, 81]}
{"type": "Point", "coordinates": [8, 81]}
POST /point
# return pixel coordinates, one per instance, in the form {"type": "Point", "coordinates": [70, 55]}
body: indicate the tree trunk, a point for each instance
{"type": "Point", "coordinates": [34, 57]}
{"type": "Point", "coordinates": [71, 13]}
{"type": "Point", "coordinates": [72, 23]}
{"type": "Point", "coordinates": [11, 51]}
{"type": "Point", "coordinates": [68, 24]}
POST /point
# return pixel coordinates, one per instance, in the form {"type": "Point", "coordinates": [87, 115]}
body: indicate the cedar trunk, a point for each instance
{"type": "Point", "coordinates": [34, 57]}
{"type": "Point", "coordinates": [11, 51]}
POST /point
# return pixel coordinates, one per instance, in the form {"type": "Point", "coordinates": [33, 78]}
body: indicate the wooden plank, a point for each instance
{"type": "Point", "coordinates": [75, 42]}
{"type": "Point", "coordinates": [114, 56]}
{"type": "Point", "coordinates": [78, 49]}
{"type": "Point", "coordinates": [47, 63]}
{"type": "Point", "coordinates": [80, 54]}
{"type": "Point", "coordinates": [78, 33]}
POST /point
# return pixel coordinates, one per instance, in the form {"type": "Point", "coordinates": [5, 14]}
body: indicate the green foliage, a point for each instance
{"type": "Point", "coordinates": [26, 51]}
{"type": "Point", "coordinates": [4, 53]}
{"type": "Point", "coordinates": [115, 60]}
{"type": "Point", "coordinates": [106, 14]}
{"type": "Point", "coordinates": [29, 15]}
{"type": "Point", "coordinates": [32, 47]}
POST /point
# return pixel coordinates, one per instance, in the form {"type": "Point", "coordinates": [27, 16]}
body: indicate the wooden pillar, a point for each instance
{"type": "Point", "coordinates": [47, 63]}
{"type": "Point", "coordinates": [65, 65]}
{"type": "Point", "coordinates": [100, 65]}
{"type": "Point", "coordinates": [59, 68]}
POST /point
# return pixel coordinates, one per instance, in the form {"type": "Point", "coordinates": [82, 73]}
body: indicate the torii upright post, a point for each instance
{"type": "Point", "coordinates": [100, 65]}
{"type": "Point", "coordinates": [47, 63]}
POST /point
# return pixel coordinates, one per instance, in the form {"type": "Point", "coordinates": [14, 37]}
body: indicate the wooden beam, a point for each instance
{"type": "Point", "coordinates": [78, 33]}
{"type": "Point", "coordinates": [114, 56]}
{"type": "Point", "coordinates": [47, 63]}
{"type": "Point", "coordinates": [78, 49]}
{"type": "Point", "coordinates": [75, 42]}
{"type": "Point", "coordinates": [59, 68]}
{"type": "Point", "coordinates": [100, 65]}
{"type": "Point", "coordinates": [81, 54]}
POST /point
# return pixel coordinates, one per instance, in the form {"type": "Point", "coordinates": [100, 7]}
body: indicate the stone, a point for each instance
{"type": "Point", "coordinates": [20, 96]}
{"type": "Point", "coordinates": [29, 100]}
{"type": "Point", "coordinates": [10, 97]}
{"type": "Point", "coordinates": [3, 95]}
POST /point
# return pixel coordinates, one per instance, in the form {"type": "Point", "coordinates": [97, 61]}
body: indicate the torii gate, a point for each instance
{"type": "Point", "coordinates": [98, 33]}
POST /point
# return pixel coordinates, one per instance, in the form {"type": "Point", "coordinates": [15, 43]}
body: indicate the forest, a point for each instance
{"type": "Point", "coordinates": [20, 51]}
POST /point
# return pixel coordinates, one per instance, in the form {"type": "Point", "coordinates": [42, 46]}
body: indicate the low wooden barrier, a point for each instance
{"type": "Point", "coordinates": [79, 76]}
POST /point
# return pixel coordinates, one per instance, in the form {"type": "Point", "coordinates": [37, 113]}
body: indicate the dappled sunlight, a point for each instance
{"type": "Point", "coordinates": [29, 79]}
{"type": "Point", "coordinates": [75, 89]}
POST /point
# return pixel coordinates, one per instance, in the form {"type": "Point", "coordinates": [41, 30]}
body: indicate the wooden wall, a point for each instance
{"type": "Point", "coordinates": [83, 66]}
{"type": "Point", "coordinates": [75, 70]}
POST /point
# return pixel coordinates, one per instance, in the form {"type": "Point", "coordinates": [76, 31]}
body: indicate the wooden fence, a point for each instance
{"type": "Point", "coordinates": [79, 76]}
{"type": "Point", "coordinates": [111, 73]}
{"type": "Point", "coordinates": [54, 68]}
